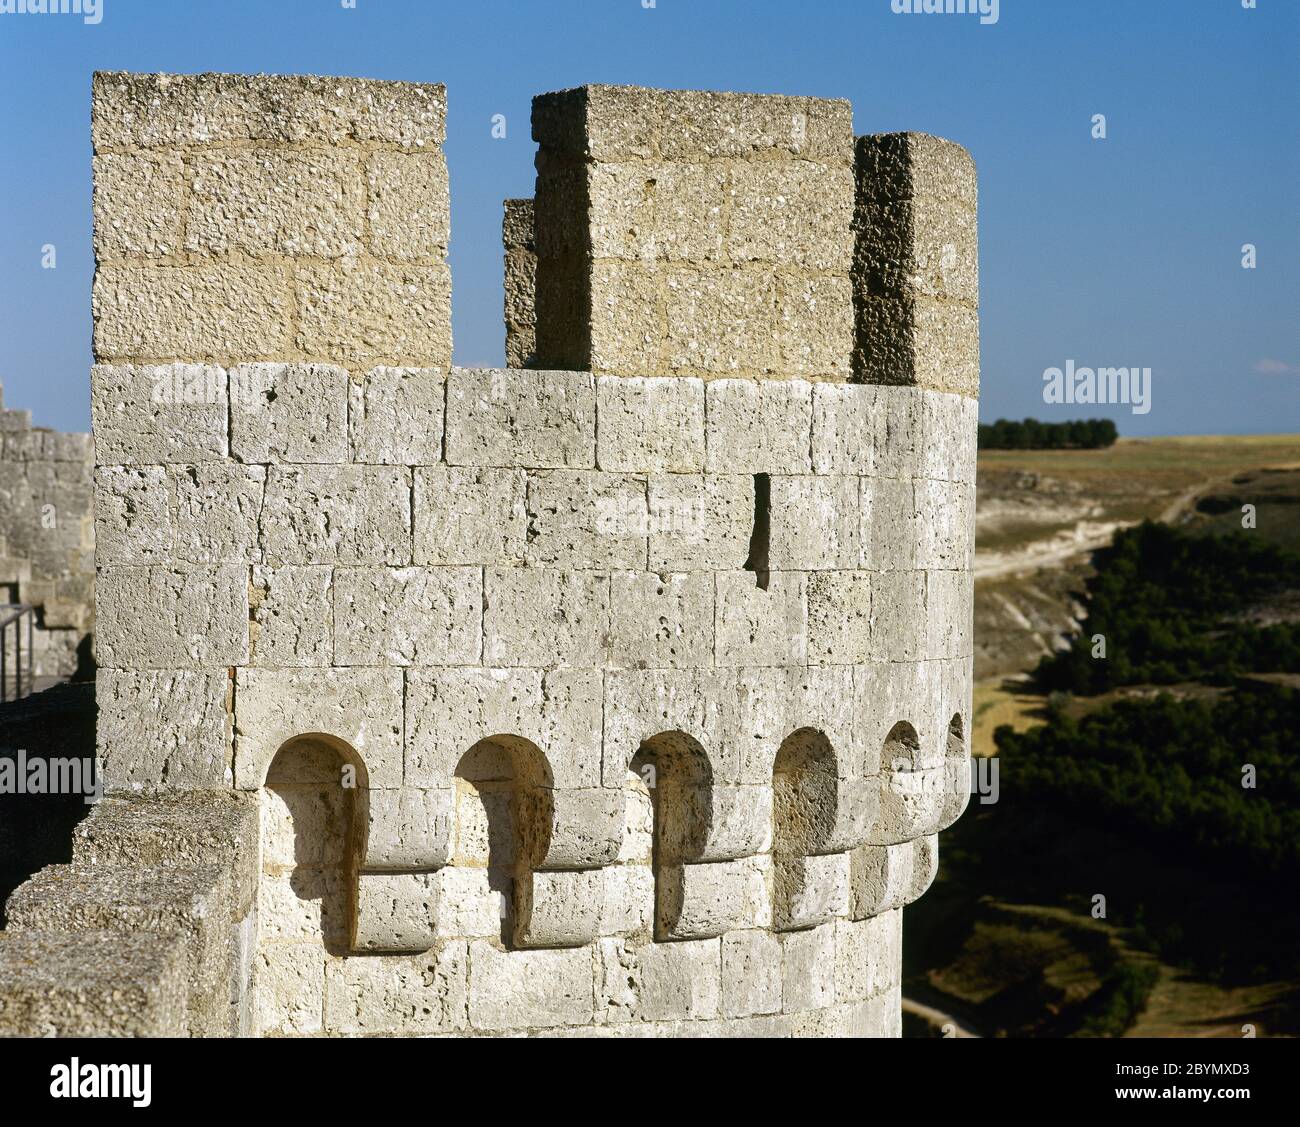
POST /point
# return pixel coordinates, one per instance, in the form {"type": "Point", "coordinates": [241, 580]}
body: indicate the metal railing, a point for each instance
{"type": "Point", "coordinates": [22, 673]}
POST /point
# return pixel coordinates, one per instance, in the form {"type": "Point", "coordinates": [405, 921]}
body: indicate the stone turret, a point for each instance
{"type": "Point", "coordinates": [626, 688]}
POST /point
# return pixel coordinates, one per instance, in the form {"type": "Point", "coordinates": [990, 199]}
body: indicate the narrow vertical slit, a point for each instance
{"type": "Point", "coordinates": [759, 537]}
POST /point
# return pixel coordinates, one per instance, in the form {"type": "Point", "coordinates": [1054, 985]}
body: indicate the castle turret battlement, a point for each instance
{"type": "Point", "coordinates": [628, 687]}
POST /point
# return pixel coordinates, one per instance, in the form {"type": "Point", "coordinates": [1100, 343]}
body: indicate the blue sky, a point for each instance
{"type": "Point", "coordinates": [1123, 252]}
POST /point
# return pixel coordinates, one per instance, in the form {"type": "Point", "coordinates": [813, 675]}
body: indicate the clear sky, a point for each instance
{"type": "Point", "coordinates": [1125, 251]}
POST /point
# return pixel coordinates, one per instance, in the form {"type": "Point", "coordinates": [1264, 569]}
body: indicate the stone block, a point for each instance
{"type": "Point", "coordinates": [759, 626]}
{"type": "Point", "coordinates": [809, 890]}
{"type": "Point", "coordinates": [558, 909]}
{"type": "Point", "coordinates": [628, 900]}
{"type": "Point", "coordinates": [450, 710]}
{"type": "Point", "coordinates": [177, 617]}
{"type": "Point", "coordinates": [409, 829]}
{"type": "Point", "coordinates": [700, 523]}
{"type": "Point", "coordinates": [816, 523]}
{"type": "Point", "coordinates": [362, 708]}
{"type": "Point", "coordinates": [751, 973]}
{"type": "Point", "coordinates": [91, 984]}
{"type": "Point", "coordinates": [289, 413]}
{"type": "Point", "coordinates": [758, 426]}
{"type": "Point", "coordinates": [403, 995]}
{"type": "Point", "coordinates": [545, 617]}
{"type": "Point", "coordinates": [200, 312]}
{"type": "Point", "coordinates": [465, 515]}
{"type": "Point", "coordinates": [724, 823]}
{"type": "Point", "coordinates": [349, 515]}
{"type": "Point", "coordinates": [289, 984]}
{"type": "Point", "coordinates": [518, 236]}
{"type": "Point", "coordinates": [395, 912]}
{"type": "Point", "coordinates": [395, 416]}
{"type": "Point", "coordinates": [269, 201]}
{"type": "Point", "coordinates": [679, 981]}
{"type": "Point", "coordinates": [137, 205]}
{"type": "Point", "coordinates": [650, 425]}
{"type": "Point", "coordinates": [218, 508]}
{"type": "Point", "coordinates": [363, 313]}
{"type": "Point", "coordinates": [156, 414]}
{"type": "Point", "coordinates": [159, 727]}
{"type": "Point", "coordinates": [706, 899]}
{"type": "Point", "coordinates": [538, 420]}
{"type": "Point", "coordinates": [152, 110]}
{"type": "Point", "coordinates": [520, 990]}
{"type": "Point", "coordinates": [586, 520]}
{"type": "Point", "coordinates": [898, 616]}
{"type": "Point", "coordinates": [808, 969]}
{"type": "Point", "coordinates": [410, 205]}
{"type": "Point", "coordinates": [845, 423]}
{"type": "Point", "coordinates": [880, 877]}
{"type": "Point", "coordinates": [949, 603]}
{"type": "Point", "coordinates": [408, 616]}
{"type": "Point", "coordinates": [293, 617]}
{"type": "Point", "coordinates": [133, 515]}
{"type": "Point", "coordinates": [472, 903]}
{"type": "Point", "coordinates": [585, 830]}
{"type": "Point", "coordinates": [661, 620]}
{"type": "Point", "coordinates": [839, 617]}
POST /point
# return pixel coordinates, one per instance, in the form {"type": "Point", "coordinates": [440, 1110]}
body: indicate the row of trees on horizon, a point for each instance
{"type": "Point", "coordinates": [1032, 434]}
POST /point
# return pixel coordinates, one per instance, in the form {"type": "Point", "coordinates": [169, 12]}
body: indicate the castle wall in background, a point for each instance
{"type": "Point", "coordinates": [47, 543]}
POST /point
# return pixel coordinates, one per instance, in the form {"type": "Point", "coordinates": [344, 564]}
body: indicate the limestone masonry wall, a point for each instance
{"type": "Point", "coordinates": [621, 693]}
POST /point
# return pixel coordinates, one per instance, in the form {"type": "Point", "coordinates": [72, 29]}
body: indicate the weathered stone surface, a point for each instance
{"type": "Point", "coordinates": [159, 414]}
{"type": "Point", "coordinates": [808, 971]}
{"type": "Point", "coordinates": [529, 989]}
{"type": "Point", "coordinates": [465, 515]}
{"type": "Point", "coordinates": [399, 994]}
{"type": "Point", "coordinates": [164, 728]}
{"type": "Point", "coordinates": [410, 829]}
{"type": "Point", "coordinates": [395, 416]}
{"type": "Point", "coordinates": [218, 508]}
{"type": "Point", "coordinates": [289, 413]}
{"type": "Point", "coordinates": [408, 616]}
{"type": "Point", "coordinates": [395, 912]}
{"type": "Point", "coordinates": [293, 617]}
{"type": "Point", "coordinates": [651, 425]}
{"type": "Point", "coordinates": [705, 899]}
{"type": "Point", "coordinates": [172, 617]}
{"type": "Point", "coordinates": [137, 205]}
{"type": "Point", "coordinates": [661, 620]}
{"type": "Point", "coordinates": [586, 520]}
{"type": "Point", "coordinates": [133, 515]}
{"type": "Point", "coordinates": [410, 205]}
{"type": "Point", "coordinates": [448, 711]}
{"type": "Point", "coordinates": [815, 523]}
{"type": "Point", "coordinates": [560, 909]}
{"type": "Point", "coordinates": [349, 515]}
{"type": "Point", "coordinates": [700, 523]}
{"type": "Point", "coordinates": [751, 973]}
{"type": "Point", "coordinates": [761, 626]}
{"type": "Point", "coordinates": [360, 707]}
{"type": "Point", "coordinates": [362, 313]}
{"type": "Point", "coordinates": [758, 426]}
{"type": "Point", "coordinates": [541, 420]}
{"type": "Point", "coordinates": [91, 984]}
{"type": "Point", "coordinates": [295, 203]}
{"type": "Point", "coordinates": [545, 617]}
{"type": "Point", "coordinates": [148, 110]}
{"type": "Point", "coordinates": [520, 283]}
